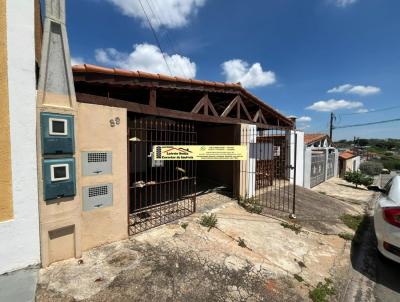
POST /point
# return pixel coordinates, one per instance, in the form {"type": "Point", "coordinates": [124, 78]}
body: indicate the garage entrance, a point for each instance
{"type": "Point", "coordinates": [163, 191]}
{"type": "Point", "coordinates": [160, 191]}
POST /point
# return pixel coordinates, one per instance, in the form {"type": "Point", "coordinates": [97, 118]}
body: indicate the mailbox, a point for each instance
{"type": "Point", "coordinates": [96, 163]}
{"type": "Point", "coordinates": [59, 178]}
{"type": "Point", "coordinates": [57, 131]}
{"type": "Point", "coordinates": [97, 196]}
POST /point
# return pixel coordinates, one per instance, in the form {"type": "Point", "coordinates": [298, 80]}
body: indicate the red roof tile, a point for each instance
{"type": "Point", "coordinates": [310, 138]}
{"type": "Point", "coordinates": [346, 155]}
{"type": "Point", "coordinates": [88, 68]}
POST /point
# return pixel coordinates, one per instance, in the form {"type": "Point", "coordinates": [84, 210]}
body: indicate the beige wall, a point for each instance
{"type": "Point", "coordinates": [95, 133]}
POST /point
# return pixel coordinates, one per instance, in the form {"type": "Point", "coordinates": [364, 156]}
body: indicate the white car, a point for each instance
{"type": "Point", "coordinates": [387, 219]}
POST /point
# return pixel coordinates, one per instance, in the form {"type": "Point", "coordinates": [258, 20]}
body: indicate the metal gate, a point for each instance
{"type": "Point", "coordinates": [331, 166]}
{"type": "Point", "coordinates": [160, 191]}
{"type": "Point", "coordinates": [318, 162]}
{"type": "Point", "coordinates": [267, 178]}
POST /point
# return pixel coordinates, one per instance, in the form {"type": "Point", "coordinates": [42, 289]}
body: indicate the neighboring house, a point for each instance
{"type": "Point", "coordinates": [319, 161]}
{"type": "Point", "coordinates": [348, 161]}
{"type": "Point", "coordinates": [19, 219]}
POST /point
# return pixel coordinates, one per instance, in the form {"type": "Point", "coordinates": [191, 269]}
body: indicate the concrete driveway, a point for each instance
{"type": "Point", "coordinates": [184, 261]}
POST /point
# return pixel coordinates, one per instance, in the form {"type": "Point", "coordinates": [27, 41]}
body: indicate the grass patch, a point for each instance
{"type": "Point", "coordinates": [298, 277]}
{"type": "Point", "coordinates": [184, 225]}
{"type": "Point", "coordinates": [323, 193]}
{"type": "Point", "coordinates": [209, 221]}
{"type": "Point", "coordinates": [322, 291]}
{"type": "Point", "coordinates": [352, 221]}
{"type": "Point", "coordinates": [294, 227]}
{"type": "Point", "coordinates": [251, 205]}
{"type": "Point", "coordinates": [242, 243]}
{"type": "Point", "coordinates": [346, 236]}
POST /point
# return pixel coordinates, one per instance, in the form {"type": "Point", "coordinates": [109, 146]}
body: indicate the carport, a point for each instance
{"type": "Point", "coordinates": [163, 110]}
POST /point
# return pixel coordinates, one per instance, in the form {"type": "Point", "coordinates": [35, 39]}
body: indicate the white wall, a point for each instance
{"type": "Point", "coordinates": [19, 237]}
{"type": "Point", "coordinates": [299, 157]}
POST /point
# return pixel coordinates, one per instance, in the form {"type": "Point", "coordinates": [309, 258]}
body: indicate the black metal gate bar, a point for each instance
{"type": "Point", "coordinates": [265, 178]}
{"type": "Point", "coordinates": [160, 191]}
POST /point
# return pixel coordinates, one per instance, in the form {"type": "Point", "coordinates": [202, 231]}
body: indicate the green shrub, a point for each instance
{"type": "Point", "coordinates": [352, 221]}
{"type": "Point", "coordinates": [358, 178]}
{"type": "Point", "coordinates": [371, 167]}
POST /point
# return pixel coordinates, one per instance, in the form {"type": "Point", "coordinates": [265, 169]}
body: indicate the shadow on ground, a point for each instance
{"type": "Point", "coordinates": [317, 211]}
{"type": "Point", "coordinates": [366, 259]}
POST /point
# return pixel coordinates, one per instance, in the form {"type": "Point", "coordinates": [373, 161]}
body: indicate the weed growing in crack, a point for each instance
{"type": "Point", "coordinates": [298, 277]}
{"type": "Point", "coordinates": [209, 221]}
{"type": "Point", "coordinates": [184, 225]}
{"type": "Point", "coordinates": [251, 205]}
{"type": "Point", "coordinates": [346, 236]}
{"type": "Point", "coordinates": [322, 291]}
{"type": "Point", "coordinates": [241, 243]}
{"type": "Point", "coordinates": [294, 227]}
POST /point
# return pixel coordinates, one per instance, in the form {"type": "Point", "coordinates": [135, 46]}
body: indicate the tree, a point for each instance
{"type": "Point", "coordinates": [358, 178]}
{"type": "Point", "coordinates": [371, 167]}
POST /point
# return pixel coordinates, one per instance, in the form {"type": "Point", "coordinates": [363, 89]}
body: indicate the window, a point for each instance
{"type": "Point", "coordinates": [58, 126]}
{"type": "Point", "coordinates": [59, 172]}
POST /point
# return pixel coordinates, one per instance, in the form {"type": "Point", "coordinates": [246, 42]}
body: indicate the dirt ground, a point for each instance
{"type": "Point", "coordinates": [184, 261]}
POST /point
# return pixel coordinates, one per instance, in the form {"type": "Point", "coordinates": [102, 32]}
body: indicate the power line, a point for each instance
{"type": "Point", "coordinates": [367, 124]}
{"type": "Point", "coordinates": [371, 111]}
{"type": "Point", "coordinates": [156, 37]}
{"type": "Point", "coordinates": [153, 11]}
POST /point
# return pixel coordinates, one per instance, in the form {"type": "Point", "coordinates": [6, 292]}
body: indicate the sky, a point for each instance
{"type": "Point", "coordinates": [305, 58]}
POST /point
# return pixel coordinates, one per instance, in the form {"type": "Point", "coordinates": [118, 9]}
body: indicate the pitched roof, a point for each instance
{"type": "Point", "coordinates": [141, 75]}
{"type": "Point", "coordinates": [346, 155]}
{"type": "Point", "coordinates": [310, 138]}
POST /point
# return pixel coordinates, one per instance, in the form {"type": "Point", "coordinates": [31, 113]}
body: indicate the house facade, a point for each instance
{"type": "Point", "coordinates": [348, 162]}
{"type": "Point", "coordinates": [78, 145]}
{"type": "Point", "coordinates": [319, 162]}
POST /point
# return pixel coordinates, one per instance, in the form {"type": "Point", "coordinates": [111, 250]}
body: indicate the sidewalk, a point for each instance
{"type": "Point", "coordinates": [19, 286]}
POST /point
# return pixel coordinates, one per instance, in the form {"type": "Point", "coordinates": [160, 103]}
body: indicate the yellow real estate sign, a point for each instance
{"type": "Point", "coordinates": [200, 152]}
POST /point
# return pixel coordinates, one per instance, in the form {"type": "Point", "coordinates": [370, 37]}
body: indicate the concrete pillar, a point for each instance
{"type": "Point", "coordinates": [60, 219]}
{"type": "Point", "coordinates": [247, 177]}
{"type": "Point", "coordinates": [326, 151]}
{"type": "Point", "coordinates": [299, 159]}
{"type": "Point", "coordinates": [336, 164]}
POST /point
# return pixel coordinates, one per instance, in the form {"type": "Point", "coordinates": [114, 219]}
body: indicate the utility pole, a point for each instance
{"type": "Point", "coordinates": [331, 125]}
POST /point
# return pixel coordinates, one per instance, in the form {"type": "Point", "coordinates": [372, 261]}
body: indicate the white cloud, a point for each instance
{"type": "Point", "coordinates": [249, 76]}
{"type": "Point", "coordinates": [304, 119]}
{"type": "Point", "coordinates": [344, 3]}
{"type": "Point", "coordinates": [162, 13]}
{"type": "Point", "coordinates": [77, 60]}
{"type": "Point", "coordinates": [355, 89]}
{"type": "Point", "coordinates": [362, 110]}
{"type": "Point", "coordinates": [332, 105]}
{"type": "Point", "coordinates": [147, 57]}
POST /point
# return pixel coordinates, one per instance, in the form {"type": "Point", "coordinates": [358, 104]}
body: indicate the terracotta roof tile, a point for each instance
{"type": "Point", "coordinates": [88, 68]}
{"type": "Point", "coordinates": [346, 155]}
{"type": "Point", "coordinates": [310, 138]}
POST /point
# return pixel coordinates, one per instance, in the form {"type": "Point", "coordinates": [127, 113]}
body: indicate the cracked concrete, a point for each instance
{"type": "Point", "coordinates": [170, 263]}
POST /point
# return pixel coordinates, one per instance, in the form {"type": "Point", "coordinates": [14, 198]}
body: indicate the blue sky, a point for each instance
{"type": "Point", "coordinates": [288, 52]}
